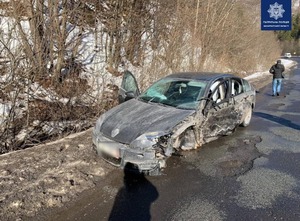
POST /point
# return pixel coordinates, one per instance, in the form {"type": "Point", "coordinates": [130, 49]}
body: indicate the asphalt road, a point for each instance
{"type": "Point", "coordinates": [251, 175]}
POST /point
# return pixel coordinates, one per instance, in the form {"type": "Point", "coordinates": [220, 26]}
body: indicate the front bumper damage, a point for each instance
{"type": "Point", "coordinates": [117, 154]}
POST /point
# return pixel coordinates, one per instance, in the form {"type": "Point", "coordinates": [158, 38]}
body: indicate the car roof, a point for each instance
{"type": "Point", "coordinates": [204, 76]}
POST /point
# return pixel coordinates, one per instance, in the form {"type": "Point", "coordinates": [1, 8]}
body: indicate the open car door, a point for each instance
{"type": "Point", "coordinates": [129, 88]}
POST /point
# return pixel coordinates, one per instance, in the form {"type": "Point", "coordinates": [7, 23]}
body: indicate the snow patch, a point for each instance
{"type": "Point", "coordinates": [287, 63]}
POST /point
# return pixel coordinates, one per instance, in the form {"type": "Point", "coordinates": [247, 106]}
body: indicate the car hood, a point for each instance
{"type": "Point", "coordinates": [129, 120]}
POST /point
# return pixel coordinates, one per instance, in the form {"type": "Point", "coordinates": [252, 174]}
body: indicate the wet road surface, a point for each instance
{"type": "Point", "coordinates": [251, 175]}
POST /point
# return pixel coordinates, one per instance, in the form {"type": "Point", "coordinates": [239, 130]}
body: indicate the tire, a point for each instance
{"type": "Point", "coordinates": [247, 118]}
{"type": "Point", "coordinates": [188, 142]}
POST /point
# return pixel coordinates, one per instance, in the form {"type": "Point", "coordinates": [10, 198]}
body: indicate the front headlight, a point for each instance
{"type": "Point", "coordinates": [147, 140]}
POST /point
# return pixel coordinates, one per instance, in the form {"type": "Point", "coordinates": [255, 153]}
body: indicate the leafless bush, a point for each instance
{"type": "Point", "coordinates": [41, 86]}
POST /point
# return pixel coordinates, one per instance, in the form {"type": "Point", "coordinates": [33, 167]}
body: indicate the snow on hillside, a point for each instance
{"type": "Point", "coordinates": [286, 62]}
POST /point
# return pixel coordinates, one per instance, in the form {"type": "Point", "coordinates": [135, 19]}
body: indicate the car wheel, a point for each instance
{"type": "Point", "coordinates": [189, 140]}
{"type": "Point", "coordinates": [247, 118]}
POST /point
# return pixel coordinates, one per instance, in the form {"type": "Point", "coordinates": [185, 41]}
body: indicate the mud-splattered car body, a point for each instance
{"type": "Point", "coordinates": [182, 111]}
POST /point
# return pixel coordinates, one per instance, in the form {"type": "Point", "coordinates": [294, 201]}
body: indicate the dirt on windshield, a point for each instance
{"type": "Point", "coordinates": [50, 175]}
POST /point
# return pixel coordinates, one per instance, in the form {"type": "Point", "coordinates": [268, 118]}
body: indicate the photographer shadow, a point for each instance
{"type": "Point", "coordinates": [134, 199]}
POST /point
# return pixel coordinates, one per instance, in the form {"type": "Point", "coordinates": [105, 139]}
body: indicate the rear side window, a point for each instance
{"type": "Point", "coordinates": [236, 87]}
{"type": "Point", "coordinates": [246, 85]}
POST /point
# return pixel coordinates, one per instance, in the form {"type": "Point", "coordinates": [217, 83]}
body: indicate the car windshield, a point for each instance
{"type": "Point", "coordinates": [179, 93]}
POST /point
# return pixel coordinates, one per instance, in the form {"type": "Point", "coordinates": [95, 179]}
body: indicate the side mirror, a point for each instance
{"type": "Point", "coordinates": [129, 95]}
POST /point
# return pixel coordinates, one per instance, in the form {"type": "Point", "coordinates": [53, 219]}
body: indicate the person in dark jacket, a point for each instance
{"type": "Point", "coordinates": [277, 71]}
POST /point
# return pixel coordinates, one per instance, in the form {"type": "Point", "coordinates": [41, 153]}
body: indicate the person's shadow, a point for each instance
{"type": "Point", "coordinates": [134, 199]}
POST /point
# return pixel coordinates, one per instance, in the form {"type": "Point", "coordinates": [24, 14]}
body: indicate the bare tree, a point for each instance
{"type": "Point", "coordinates": [42, 43]}
{"type": "Point", "coordinates": [200, 33]}
{"type": "Point", "coordinates": [43, 49]}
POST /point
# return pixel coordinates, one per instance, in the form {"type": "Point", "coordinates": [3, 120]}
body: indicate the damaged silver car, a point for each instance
{"type": "Point", "coordinates": [182, 111]}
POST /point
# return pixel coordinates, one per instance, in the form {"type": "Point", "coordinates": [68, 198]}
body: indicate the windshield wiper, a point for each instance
{"type": "Point", "coordinates": [146, 99]}
{"type": "Point", "coordinates": [142, 99]}
{"type": "Point", "coordinates": [151, 100]}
